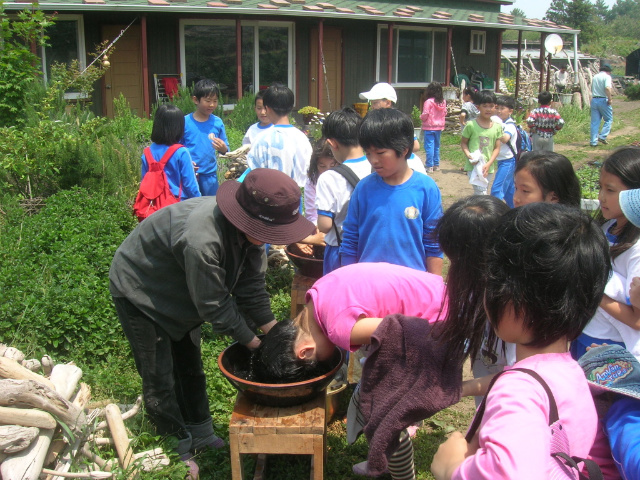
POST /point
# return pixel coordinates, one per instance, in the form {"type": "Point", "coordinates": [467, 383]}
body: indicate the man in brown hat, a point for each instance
{"type": "Point", "coordinates": [195, 261]}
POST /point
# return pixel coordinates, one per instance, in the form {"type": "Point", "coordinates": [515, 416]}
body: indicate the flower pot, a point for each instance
{"type": "Point", "coordinates": [307, 117]}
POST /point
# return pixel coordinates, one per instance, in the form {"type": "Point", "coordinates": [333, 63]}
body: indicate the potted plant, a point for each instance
{"type": "Point", "coordinates": [417, 123]}
{"type": "Point", "coordinates": [307, 113]}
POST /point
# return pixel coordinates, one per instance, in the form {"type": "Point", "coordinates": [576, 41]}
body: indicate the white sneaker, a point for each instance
{"type": "Point", "coordinates": [436, 168]}
{"type": "Point", "coordinates": [430, 170]}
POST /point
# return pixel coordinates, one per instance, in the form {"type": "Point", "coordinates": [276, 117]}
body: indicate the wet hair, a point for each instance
{"type": "Point", "coordinates": [472, 92]}
{"type": "Point", "coordinates": [275, 360]}
{"type": "Point", "coordinates": [434, 90]}
{"type": "Point", "coordinates": [206, 88]}
{"type": "Point", "coordinates": [321, 149]}
{"type": "Point", "coordinates": [624, 163]}
{"type": "Point", "coordinates": [544, 98]}
{"type": "Point", "coordinates": [259, 96]}
{"type": "Point", "coordinates": [168, 125]}
{"type": "Point", "coordinates": [506, 101]}
{"type": "Point", "coordinates": [463, 232]}
{"type": "Point", "coordinates": [279, 98]}
{"type": "Point", "coordinates": [550, 263]}
{"type": "Point", "coordinates": [485, 96]}
{"type": "Point", "coordinates": [554, 173]}
{"type": "Point", "coordinates": [342, 126]}
{"type": "Point", "coordinates": [387, 128]}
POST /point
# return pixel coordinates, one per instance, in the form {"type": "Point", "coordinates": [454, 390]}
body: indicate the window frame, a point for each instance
{"type": "Point", "coordinates": [82, 54]}
{"type": "Point", "coordinates": [396, 33]}
{"type": "Point", "coordinates": [256, 24]}
{"type": "Point", "coordinates": [478, 34]}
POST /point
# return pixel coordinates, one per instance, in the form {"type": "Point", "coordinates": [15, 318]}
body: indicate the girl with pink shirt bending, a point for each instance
{"type": "Point", "coordinates": [434, 111]}
{"type": "Point", "coordinates": [534, 298]}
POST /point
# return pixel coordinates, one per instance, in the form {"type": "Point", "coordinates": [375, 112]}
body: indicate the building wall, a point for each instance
{"type": "Point", "coordinates": [486, 63]}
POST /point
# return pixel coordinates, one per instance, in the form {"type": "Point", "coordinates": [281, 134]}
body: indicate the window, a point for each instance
{"type": "Point", "coordinates": [65, 44]}
{"type": "Point", "coordinates": [478, 41]}
{"type": "Point", "coordinates": [413, 62]}
{"type": "Point", "coordinates": [208, 50]}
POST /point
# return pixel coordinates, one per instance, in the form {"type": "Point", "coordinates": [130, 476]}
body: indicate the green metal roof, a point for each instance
{"type": "Point", "coordinates": [483, 14]}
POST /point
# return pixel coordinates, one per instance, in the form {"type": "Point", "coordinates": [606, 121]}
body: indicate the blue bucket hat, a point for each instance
{"type": "Point", "coordinates": [611, 368]}
{"type": "Point", "coordinates": [630, 205]}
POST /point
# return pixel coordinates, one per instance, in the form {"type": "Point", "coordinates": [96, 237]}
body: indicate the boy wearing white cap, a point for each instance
{"type": "Point", "coordinates": [383, 95]}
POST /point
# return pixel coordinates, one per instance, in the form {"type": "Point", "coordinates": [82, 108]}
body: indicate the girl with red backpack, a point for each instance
{"type": "Point", "coordinates": [168, 174]}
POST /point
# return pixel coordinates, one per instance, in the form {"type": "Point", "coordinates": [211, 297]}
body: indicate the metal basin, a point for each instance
{"type": "Point", "coordinates": [235, 359]}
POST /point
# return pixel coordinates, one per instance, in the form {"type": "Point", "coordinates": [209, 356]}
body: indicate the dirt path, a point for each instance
{"type": "Point", "coordinates": [454, 184]}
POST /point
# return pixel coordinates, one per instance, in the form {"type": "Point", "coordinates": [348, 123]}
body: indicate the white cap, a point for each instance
{"type": "Point", "coordinates": [380, 91]}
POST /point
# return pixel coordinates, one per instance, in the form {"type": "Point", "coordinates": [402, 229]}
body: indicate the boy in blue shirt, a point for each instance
{"type": "Point", "coordinates": [393, 212]}
{"type": "Point", "coordinates": [205, 136]}
{"type": "Point", "coordinates": [282, 147]}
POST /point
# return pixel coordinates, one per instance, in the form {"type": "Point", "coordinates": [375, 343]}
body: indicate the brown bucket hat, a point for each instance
{"type": "Point", "coordinates": [265, 206]}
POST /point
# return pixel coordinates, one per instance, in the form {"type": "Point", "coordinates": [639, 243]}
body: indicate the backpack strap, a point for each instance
{"type": "Point", "coordinates": [592, 467]}
{"type": "Point", "coordinates": [164, 160]}
{"type": "Point", "coordinates": [509, 142]}
{"type": "Point", "coordinates": [353, 180]}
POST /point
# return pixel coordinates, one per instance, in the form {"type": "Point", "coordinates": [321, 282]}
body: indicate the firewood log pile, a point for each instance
{"type": "Point", "coordinates": [452, 120]}
{"type": "Point", "coordinates": [45, 424]}
{"type": "Point", "coordinates": [235, 162]}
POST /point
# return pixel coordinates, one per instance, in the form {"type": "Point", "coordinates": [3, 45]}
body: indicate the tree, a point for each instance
{"type": "Point", "coordinates": [578, 14]}
{"type": "Point", "coordinates": [18, 66]}
{"type": "Point", "coordinates": [518, 12]}
{"type": "Point", "coordinates": [602, 10]}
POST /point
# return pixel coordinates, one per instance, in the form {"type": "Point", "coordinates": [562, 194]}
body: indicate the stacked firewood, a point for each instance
{"type": "Point", "coordinates": [452, 120]}
{"type": "Point", "coordinates": [45, 423]}
{"type": "Point", "coordinates": [235, 162]}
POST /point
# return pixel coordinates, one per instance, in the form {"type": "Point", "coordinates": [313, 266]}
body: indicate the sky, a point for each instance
{"type": "Point", "coordinates": [537, 8]}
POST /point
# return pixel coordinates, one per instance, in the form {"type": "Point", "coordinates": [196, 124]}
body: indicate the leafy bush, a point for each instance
{"type": "Point", "coordinates": [54, 294]}
{"type": "Point", "coordinates": [243, 114]}
{"type": "Point", "coordinates": [633, 92]}
{"type": "Point", "coordinates": [589, 177]}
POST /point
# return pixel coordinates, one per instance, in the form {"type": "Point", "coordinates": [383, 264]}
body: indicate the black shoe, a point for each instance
{"type": "Point", "coordinates": [603, 141]}
{"type": "Point", "coordinates": [593, 145]}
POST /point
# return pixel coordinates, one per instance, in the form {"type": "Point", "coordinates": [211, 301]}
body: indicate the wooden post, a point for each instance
{"type": "Point", "coordinates": [447, 68]}
{"type": "Point", "coordinates": [543, 36]}
{"type": "Point", "coordinates": [548, 71]}
{"type": "Point", "coordinates": [499, 61]}
{"type": "Point", "coordinates": [145, 68]}
{"type": "Point", "coordinates": [320, 62]}
{"type": "Point", "coordinates": [390, 53]}
{"type": "Point", "coordinates": [119, 434]}
{"type": "Point", "coordinates": [239, 61]}
{"type": "Point", "coordinates": [518, 64]}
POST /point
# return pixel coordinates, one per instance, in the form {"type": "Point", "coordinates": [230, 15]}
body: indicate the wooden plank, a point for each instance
{"type": "Point", "coordinates": [243, 416]}
{"type": "Point", "coordinates": [314, 419]}
{"type": "Point", "coordinates": [264, 421]}
{"type": "Point", "coordinates": [289, 420]}
{"type": "Point", "coordinates": [283, 444]}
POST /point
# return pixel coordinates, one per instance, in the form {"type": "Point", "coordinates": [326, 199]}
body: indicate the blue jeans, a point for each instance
{"type": "Point", "coordinates": [208, 184]}
{"type": "Point", "coordinates": [432, 147]}
{"type": "Point", "coordinates": [331, 259]}
{"type": "Point", "coordinates": [600, 111]}
{"type": "Point", "coordinates": [503, 186]}
{"type": "Point", "coordinates": [173, 380]}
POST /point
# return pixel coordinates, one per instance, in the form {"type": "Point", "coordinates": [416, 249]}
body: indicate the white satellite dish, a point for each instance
{"type": "Point", "coordinates": [553, 44]}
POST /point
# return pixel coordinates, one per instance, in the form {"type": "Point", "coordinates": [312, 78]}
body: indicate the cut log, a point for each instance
{"type": "Point", "coordinates": [32, 364]}
{"type": "Point", "coordinates": [47, 364]}
{"type": "Point", "coordinates": [11, 353]}
{"type": "Point", "coordinates": [14, 438]}
{"type": "Point", "coordinates": [27, 394]}
{"type": "Point", "coordinates": [12, 369]}
{"type": "Point", "coordinates": [27, 465]}
{"type": "Point", "coordinates": [119, 434]}
{"type": "Point", "coordinates": [26, 417]}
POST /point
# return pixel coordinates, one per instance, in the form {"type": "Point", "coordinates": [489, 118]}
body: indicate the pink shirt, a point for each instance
{"type": "Point", "coordinates": [514, 434]}
{"type": "Point", "coordinates": [372, 290]}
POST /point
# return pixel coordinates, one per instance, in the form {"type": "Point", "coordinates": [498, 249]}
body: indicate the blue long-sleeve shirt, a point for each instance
{"type": "Point", "coordinates": [392, 223]}
{"type": "Point", "coordinates": [178, 169]}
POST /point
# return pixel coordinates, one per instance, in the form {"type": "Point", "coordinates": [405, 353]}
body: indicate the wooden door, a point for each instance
{"type": "Point", "coordinates": [125, 74]}
{"type": "Point", "coordinates": [332, 76]}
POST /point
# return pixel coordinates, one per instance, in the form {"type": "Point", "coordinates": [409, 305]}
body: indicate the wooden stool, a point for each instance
{"type": "Point", "coordinates": [299, 287]}
{"type": "Point", "coordinates": [297, 430]}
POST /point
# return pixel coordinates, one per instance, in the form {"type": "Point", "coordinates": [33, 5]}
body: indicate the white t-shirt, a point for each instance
{"type": "Point", "coordinates": [415, 163]}
{"type": "Point", "coordinates": [333, 193]}
{"type": "Point", "coordinates": [603, 325]}
{"type": "Point", "coordinates": [284, 148]}
{"type": "Point", "coordinates": [505, 152]}
{"type": "Point", "coordinates": [253, 132]}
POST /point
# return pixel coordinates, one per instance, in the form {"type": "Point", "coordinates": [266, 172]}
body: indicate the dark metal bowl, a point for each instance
{"type": "Point", "coordinates": [236, 357]}
{"type": "Point", "coordinates": [309, 266]}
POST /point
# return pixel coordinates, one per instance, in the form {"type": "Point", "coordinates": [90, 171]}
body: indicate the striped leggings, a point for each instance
{"type": "Point", "coordinates": [401, 465]}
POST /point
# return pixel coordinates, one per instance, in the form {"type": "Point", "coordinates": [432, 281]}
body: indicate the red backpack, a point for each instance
{"type": "Point", "coordinates": [154, 190]}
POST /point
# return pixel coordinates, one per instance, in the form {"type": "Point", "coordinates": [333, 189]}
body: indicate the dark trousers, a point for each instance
{"type": "Point", "coordinates": [173, 380]}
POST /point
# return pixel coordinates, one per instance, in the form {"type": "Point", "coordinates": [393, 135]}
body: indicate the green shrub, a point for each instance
{"type": "Point", "coordinates": [54, 271]}
{"type": "Point", "coordinates": [589, 181]}
{"type": "Point", "coordinates": [633, 92]}
{"type": "Point", "coordinates": [243, 114]}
